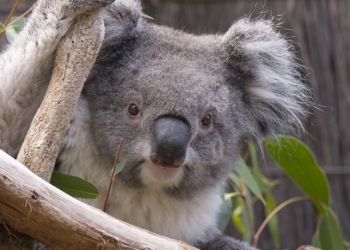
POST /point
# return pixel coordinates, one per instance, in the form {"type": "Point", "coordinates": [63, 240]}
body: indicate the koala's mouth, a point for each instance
{"type": "Point", "coordinates": [152, 173]}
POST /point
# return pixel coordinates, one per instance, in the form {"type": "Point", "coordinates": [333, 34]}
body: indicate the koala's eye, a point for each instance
{"type": "Point", "coordinates": [206, 120]}
{"type": "Point", "coordinates": [133, 109]}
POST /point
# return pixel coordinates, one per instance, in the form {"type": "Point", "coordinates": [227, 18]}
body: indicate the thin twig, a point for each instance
{"type": "Point", "coordinates": [23, 15]}
{"type": "Point", "coordinates": [273, 213]}
{"type": "Point", "coordinates": [17, 19]}
{"type": "Point", "coordinates": [112, 176]}
{"type": "Point", "coordinates": [249, 214]}
{"type": "Point", "coordinates": [231, 195]}
{"type": "Point", "coordinates": [11, 13]}
{"type": "Point", "coordinates": [246, 156]}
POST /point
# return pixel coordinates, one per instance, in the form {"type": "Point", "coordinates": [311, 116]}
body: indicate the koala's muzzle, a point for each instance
{"type": "Point", "coordinates": [171, 136]}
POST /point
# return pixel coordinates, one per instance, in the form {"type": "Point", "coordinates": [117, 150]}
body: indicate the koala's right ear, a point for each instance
{"type": "Point", "coordinates": [261, 63]}
{"type": "Point", "coordinates": [122, 24]}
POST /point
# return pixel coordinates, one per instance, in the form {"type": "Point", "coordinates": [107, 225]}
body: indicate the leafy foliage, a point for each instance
{"type": "Point", "coordinates": [296, 159]}
{"type": "Point", "coordinates": [244, 172]}
{"type": "Point", "coordinates": [328, 234]}
{"type": "Point", "coordinates": [226, 208]}
{"type": "Point", "coordinates": [74, 186]}
{"type": "Point", "coordinates": [119, 167]}
{"type": "Point", "coordinates": [298, 162]}
{"type": "Point", "coordinates": [271, 204]}
{"type": "Point", "coordinates": [11, 31]}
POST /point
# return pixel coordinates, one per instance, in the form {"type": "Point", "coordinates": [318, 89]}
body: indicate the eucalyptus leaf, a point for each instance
{"type": "Point", "coordinates": [316, 239]}
{"type": "Point", "coordinates": [235, 181]}
{"type": "Point", "coordinates": [74, 186]}
{"type": "Point", "coordinates": [237, 217]}
{"type": "Point", "coordinates": [118, 168]}
{"type": "Point", "coordinates": [11, 34]}
{"type": "Point", "coordinates": [231, 195]}
{"type": "Point", "coordinates": [146, 16]}
{"type": "Point", "coordinates": [241, 219]}
{"type": "Point", "coordinates": [19, 24]}
{"type": "Point", "coordinates": [247, 237]}
{"type": "Point", "coordinates": [273, 223]}
{"type": "Point", "coordinates": [225, 213]}
{"type": "Point", "coordinates": [13, 30]}
{"type": "Point", "coordinates": [2, 27]}
{"type": "Point", "coordinates": [262, 182]}
{"type": "Point", "coordinates": [330, 235]}
{"type": "Point", "coordinates": [253, 155]}
{"type": "Point", "coordinates": [296, 159]}
{"type": "Point", "coordinates": [244, 172]}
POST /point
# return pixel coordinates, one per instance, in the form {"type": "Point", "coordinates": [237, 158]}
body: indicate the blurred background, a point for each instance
{"type": "Point", "coordinates": [321, 31]}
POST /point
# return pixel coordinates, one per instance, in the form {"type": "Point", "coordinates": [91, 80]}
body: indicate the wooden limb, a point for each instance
{"type": "Point", "coordinates": [76, 54]}
{"type": "Point", "coordinates": [32, 206]}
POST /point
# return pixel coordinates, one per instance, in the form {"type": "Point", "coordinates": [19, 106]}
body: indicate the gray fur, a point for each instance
{"type": "Point", "coordinates": [215, 240]}
{"type": "Point", "coordinates": [247, 80]}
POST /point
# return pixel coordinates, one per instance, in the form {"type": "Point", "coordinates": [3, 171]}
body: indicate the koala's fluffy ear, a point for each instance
{"type": "Point", "coordinates": [122, 23]}
{"type": "Point", "coordinates": [261, 63]}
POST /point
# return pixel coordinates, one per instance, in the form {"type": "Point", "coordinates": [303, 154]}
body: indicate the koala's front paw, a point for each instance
{"type": "Point", "coordinates": [225, 243]}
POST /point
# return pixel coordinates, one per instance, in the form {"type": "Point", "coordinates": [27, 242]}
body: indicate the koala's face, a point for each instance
{"type": "Point", "coordinates": [183, 103]}
{"type": "Point", "coordinates": [179, 119]}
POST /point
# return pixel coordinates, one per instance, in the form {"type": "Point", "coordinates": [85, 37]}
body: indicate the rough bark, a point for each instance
{"type": "Point", "coordinates": [75, 57]}
{"type": "Point", "coordinates": [32, 206]}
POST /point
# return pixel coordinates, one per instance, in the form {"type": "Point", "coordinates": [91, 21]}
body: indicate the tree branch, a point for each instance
{"type": "Point", "coordinates": [76, 54]}
{"type": "Point", "coordinates": [32, 206]}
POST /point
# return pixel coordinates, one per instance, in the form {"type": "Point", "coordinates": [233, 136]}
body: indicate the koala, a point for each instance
{"type": "Point", "coordinates": [182, 103]}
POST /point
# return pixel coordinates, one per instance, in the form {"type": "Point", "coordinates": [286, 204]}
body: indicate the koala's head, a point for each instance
{"type": "Point", "coordinates": [184, 103]}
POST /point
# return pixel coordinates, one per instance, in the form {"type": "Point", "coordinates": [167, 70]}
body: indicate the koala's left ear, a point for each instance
{"type": "Point", "coordinates": [261, 63]}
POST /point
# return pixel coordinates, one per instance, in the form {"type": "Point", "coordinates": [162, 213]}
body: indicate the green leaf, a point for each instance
{"type": "Point", "coordinates": [253, 155]}
{"type": "Point", "coordinates": [10, 34]}
{"type": "Point", "coordinates": [237, 217]}
{"type": "Point", "coordinates": [225, 213]}
{"type": "Point", "coordinates": [74, 186]}
{"type": "Point", "coordinates": [235, 181]}
{"type": "Point", "coordinates": [231, 195]}
{"type": "Point", "coordinates": [296, 159]}
{"type": "Point", "coordinates": [330, 236]}
{"type": "Point", "coordinates": [2, 28]}
{"type": "Point", "coordinates": [244, 172]}
{"type": "Point", "coordinates": [262, 182]}
{"type": "Point", "coordinates": [247, 237]}
{"type": "Point", "coordinates": [273, 223]}
{"type": "Point", "coordinates": [242, 223]}
{"type": "Point", "coordinates": [13, 30]}
{"type": "Point", "coordinates": [118, 168]}
{"type": "Point", "coordinates": [316, 238]}
{"type": "Point", "coordinates": [18, 26]}
{"type": "Point", "coordinates": [146, 16]}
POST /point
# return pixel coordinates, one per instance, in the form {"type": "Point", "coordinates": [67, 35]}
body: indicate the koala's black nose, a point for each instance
{"type": "Point", "coordinates": [171, 136]}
